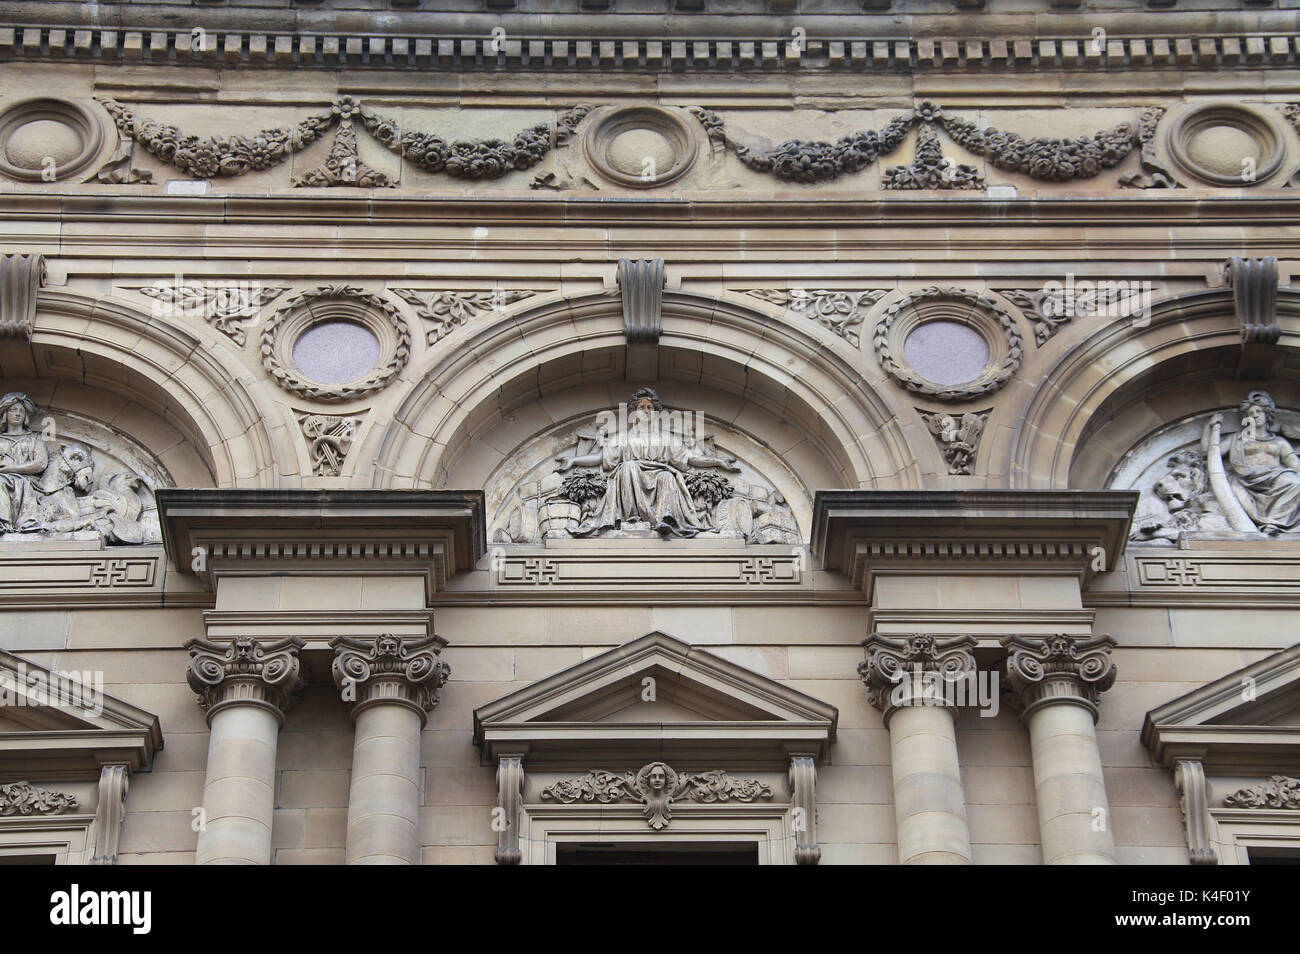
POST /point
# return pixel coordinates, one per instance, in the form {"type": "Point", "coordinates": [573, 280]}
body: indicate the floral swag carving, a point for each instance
{"type": "Point", "coordinates": [656, 786]}
{"type": "Point", "coordinates": [1056, 160]}
{"type": "Point", "coordinates": [211, 157]}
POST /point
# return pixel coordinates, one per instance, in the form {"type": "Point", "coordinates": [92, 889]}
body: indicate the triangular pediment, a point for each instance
{"type": "Point", "coordinates": [65, 716]}
{"type": "Point", "coordinates": [1250, 715]}
{"type": "Point", "coordinates": [649, 689]}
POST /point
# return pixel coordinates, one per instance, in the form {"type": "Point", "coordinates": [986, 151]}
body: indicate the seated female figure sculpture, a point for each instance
{"type": "Point", "coordinates": [646, 469]}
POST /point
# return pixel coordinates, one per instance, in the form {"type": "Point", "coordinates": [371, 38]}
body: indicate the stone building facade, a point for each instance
{"type": "Point", "coordinates": [779, 431]}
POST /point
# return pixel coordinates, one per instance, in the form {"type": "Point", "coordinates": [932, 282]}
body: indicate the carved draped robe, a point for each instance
{"type": "Point", "coordinates": [1269, 491]}
{"type": "Point", "coordinates": [18, 492]}
{"type": "Point", "coordinates": [645, 482]}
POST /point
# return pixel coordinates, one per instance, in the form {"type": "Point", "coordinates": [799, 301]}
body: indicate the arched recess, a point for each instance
{"type": "Point", "coordinates": [86, 350]}
{"type": "Point", "coordinates": [1126, 380]}
{"type": "Point", "coordinates": [707, 345]}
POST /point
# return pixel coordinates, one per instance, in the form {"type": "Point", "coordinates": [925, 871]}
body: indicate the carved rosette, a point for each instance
{"type": "Point", "coordinates": [390, 669]}
{"type": "Point", "coordinates": [24, 798]}
{"type": "Point", "coordinates": [1279, 791]}
{"type": "Point", "coordinates": [246, 671]}
{"type": "Point", "coordinates": [1059, 668]}
{"type": "Point", "coordinates": [918, 670]}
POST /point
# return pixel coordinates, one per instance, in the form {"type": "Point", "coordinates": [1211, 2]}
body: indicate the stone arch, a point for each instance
{"type": "Point", "coordinates": [1189, 341]}
{"type": "Point", "coordinates": [86, 348]}
{"type": "Point", "coordinates": [715, 343]}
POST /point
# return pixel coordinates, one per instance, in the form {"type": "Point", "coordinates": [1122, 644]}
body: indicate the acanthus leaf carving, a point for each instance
{"type": "Point", "coordinates": [656, 786]}
{"type": "Point", "coordinates": [838, 311]}
{"type": "Point", "coordinates": [1046, 312]}
{"type": "Point", "coordinates": [1278, 791]}
{"type": "Point", "coordinates": [228, 306]}
{"type": "Point", "coordinates": [444, 311]}
{"type": "Point", "coordinates": [24, 798]}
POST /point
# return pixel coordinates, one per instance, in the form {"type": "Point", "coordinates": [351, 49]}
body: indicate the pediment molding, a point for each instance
{"type": "Point", "coordinates": [70, 727]}
{"type": "Point", "coordinates": [738, 709]}
{"type": "Point", "coordinates": [1225, 724]}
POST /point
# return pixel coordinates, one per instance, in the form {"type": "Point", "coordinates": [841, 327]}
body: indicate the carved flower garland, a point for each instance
{"type": "Point", "coordinates": [990, 319]}
{"type": "Point", "coordinates": [1056, 160]}
{"type": "Point", "coordinates": [341, 302]}
{"type": "Point", "coordinates": [210, 157]}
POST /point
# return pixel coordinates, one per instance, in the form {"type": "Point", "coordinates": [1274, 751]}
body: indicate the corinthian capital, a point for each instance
{"type": "Point", "coordinates": [388, 668]}
{"type": "Point", "coordinates": [1060, 668]}
{"type": "Point", "coordinates": [915, 670]}
{"type": "Point", "coordinates": [246, 671]}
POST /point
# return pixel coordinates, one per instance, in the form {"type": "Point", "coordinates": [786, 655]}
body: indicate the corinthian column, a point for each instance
{"type": "Point", "coordinates": [245, 686]}
{"type": "Point", "coordinates": [911, 680]}
{"type": "Point", "coordinates": [1057, 681]}
{"type": "Point", "coordinates": [392, 683]}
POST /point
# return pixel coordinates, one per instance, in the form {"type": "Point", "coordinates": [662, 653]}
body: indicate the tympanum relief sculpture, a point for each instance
{"type": "Point", "coordinates": [639, 471]}
{"type": "Point", "coordinates": [1218, 475]}
{"type": "Point", "coordinates": [70, 480]}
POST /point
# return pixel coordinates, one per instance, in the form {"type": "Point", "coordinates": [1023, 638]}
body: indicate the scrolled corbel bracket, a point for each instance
{"type": "Point", "coordinates": [21, 279]}
{"type": "Point", "coordinates": [1254, 297]}
{"type": "Point", "coordinates": [114, 782]}
{"type": "Point", "coordinates": [803, 809]}
{"type": "Point", "coordinates": [506, 817]}
{"type": "Point", "coordinates": [1193, 801]}
{"type": "Point", "coordinates": [641, 285]}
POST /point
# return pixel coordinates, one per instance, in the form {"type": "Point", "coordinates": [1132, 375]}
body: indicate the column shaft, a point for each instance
{"type": "Point", "coordinates": [239, 792]}
{"type": "Point", "coordinates": [384, 799]}
{"type": "Point", "coordinates": [929, 802]}
{"type": "Point", "coordinates": [1073, 813]}
{"type": "Point", "coordinates": [1056, 682]}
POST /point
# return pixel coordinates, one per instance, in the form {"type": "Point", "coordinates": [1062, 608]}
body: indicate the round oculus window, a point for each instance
{"type": "Point", "coordinates": [946, 352]}
{"type": "Point", "coordinates": [336, 352]}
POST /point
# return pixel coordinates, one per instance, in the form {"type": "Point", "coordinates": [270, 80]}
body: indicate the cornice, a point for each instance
{"type": "Point", "coordinates": [465, 42]}
{"type": "Point", "coordinates": [813, 213]}
{"type": "Point", "coordinates": [865, 532]}
{"type": "Point", "coordinates": [437, 533]}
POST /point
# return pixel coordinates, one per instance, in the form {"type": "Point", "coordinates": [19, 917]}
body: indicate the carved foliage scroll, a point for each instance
{"type": "Point", "coordinates": [656, 786]}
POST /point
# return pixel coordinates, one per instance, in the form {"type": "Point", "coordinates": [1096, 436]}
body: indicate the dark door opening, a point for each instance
{"type": "Point", "coordinates": [666, 853]}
